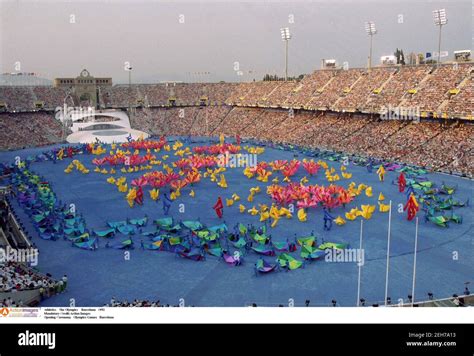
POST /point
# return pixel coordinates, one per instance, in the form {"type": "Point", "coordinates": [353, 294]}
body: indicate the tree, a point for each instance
{"type": "Point", "coordinates": [400, 56]}
{"type": "Point", "coordinates": [421, 58]}
{"type": "Point", "coordinates": [397, 54]}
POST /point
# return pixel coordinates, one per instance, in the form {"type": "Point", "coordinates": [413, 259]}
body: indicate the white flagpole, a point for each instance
{"type": "Point", "coordinates": [360, 263]}
{"type": "Point", "coordinates": [414, 264]}
{"type": "Point", "coordinates": [388, 250]}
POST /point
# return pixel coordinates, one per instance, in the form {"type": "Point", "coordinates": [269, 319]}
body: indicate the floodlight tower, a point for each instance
{"type": "Point", "coordinates": [371, 31]}
{"type": "Point", "coordinates": [440, 19]}
{"type": "Point", "coordinates": [285, 37]}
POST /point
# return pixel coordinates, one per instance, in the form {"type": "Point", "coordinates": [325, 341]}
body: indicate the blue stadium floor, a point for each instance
{"type": "Point", "coordinates": [97, 276]}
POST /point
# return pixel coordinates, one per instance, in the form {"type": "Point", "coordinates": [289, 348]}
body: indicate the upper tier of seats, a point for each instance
{"type": "Point", "coordinates": [445, 91]}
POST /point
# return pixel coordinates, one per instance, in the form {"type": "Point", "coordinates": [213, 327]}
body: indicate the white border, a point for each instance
{"type": "Point", "coordinates": [329, 315]}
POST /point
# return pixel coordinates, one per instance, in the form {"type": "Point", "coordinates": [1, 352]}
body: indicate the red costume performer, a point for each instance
{"type": "Point", "coordinates": [69, 152]}
{"type": "Point", "coordinates": [139, 197]}
{"type": "Point", "coordinates": [402, 183]}
{"type": "Point", "coordinates": [219, 207]}
{"type": "Point", "coordinates": [412, 207]}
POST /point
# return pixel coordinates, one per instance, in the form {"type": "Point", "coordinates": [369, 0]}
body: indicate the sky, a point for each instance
{"type": "Point", "coordinates": [209, 41]}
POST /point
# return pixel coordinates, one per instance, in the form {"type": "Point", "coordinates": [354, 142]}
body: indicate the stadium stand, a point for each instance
{"type": "Point", "coordinates": [28, 130]}
{"type": "Point", "coordinates": [332, 109]}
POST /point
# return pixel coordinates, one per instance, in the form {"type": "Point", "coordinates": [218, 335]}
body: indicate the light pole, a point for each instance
{"type": "Point", "coordinates": [65, 115]}
{"type": "Point", "coordinates": [359, 264]}
{"type": "Point", "coordinates": [388, 251]}
{"type": "Point", "coordinates": [129, 69]}
{"type": "Point", "coordinates": [414, 264]}
{"type": "Point", "coordinates": [371, 31]}
{"type": "Point", "coordinates": [98, 95]}
{"type": "Point", "coordinates": [440, 19]}
{"type": "Point", "coordinates": [285, 37]}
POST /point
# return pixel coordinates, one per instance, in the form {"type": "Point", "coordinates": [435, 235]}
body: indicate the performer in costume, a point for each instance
{"type": "Point", "coordinates": [327, 220]}
{"type": "Point", "coordinates": [411, 207]}
{"type": "Point", "coordinates": [166, 203]}
{"type": "Point", "coordinates": [381, 173]}
{"type": "Point", "coordinates": [139, 197]}
{"type": "Point", "coordinates": [219, 207]}
{"type": "Point", "coordinates": [369, 166]}
{"type": "Point", "coordinates": [402, 182]}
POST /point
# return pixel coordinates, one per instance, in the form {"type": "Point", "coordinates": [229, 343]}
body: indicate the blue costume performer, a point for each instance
{"type": "Point", "coordinates": [166, 204]}
{"type": "Point", "coordinates": [327, 220]}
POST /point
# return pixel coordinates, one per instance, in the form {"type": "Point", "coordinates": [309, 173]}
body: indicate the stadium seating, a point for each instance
{"type": "Point", "coordinates": [329, 109]}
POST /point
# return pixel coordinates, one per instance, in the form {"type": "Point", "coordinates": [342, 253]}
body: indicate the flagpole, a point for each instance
{"type": "Point", "coordinates": [414, 263]}
{"type": "Point", "coordinates": [360, 263]}
{"type": "Point", "coordinates": [388, 250]}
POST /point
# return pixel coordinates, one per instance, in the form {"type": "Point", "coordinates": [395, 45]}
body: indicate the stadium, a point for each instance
{"type": "Point", "coordinates": [345, 186]}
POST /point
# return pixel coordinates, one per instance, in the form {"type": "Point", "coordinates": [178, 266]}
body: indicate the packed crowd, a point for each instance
{"type": "Point", "coordinates": [448, 89]}
{"type": "Point", "coordinates": [423, 87]}
{"type": "Point", "coordinates": [462, 103]}
{"type": "Point", "coordinates": [156, 95]}
{"type": "Point", "coordinates": [28, 130]}
{"type": "Point", "coordinates": [337, 87]}
{"type": "Point", "coordinates": [118, 96]}
{"type": "Point", "coordinates": [363, 89]}
{"type": "Point", "coordinates": [49, 97]}
{"type": "Point", "coordinates": [200, 111]}
{"type": "Point", "coordinates": [15, 277]}
{"type": "Point", "coordinates": [17, 98]}
{"type": "Point", "coordinates": [428, 143]}
{"type": "Point", "coordinates": [258, 92]}
{"type": "Point", "coordinates": [183, 121]}
{"type": "Point", "coordinates": [436, 145]}
{"type": "Point", "coordinates": [278, 96]}
{"type": "Point", "coordinates": [208, 119]}
{"type": "Point", "coordinates": [396, 88]}
{"type": "Point", "coordinates": [237, 96]}
{"type": "Point", "coordinates": [434, 90]}
{"type": "Point", "coordinates": [451, 149]}
{"type": "Point", "coordinates": [298, 97]}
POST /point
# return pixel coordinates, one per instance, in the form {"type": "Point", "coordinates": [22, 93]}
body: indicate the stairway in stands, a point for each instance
{"type": "Point", "coordinates": [222, 120]}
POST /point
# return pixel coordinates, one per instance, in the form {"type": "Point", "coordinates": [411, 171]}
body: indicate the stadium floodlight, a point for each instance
{"type": "Point", "coordinates": [440, 19]}
{"type": "Point", "coordinates": [371, 31]}
{"type": "Point", "coordinates": [370, 28]}
{"type": "Point", "coordinates": [285, 34]}
{"type": "Point", "coordinates": [285, 37]}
